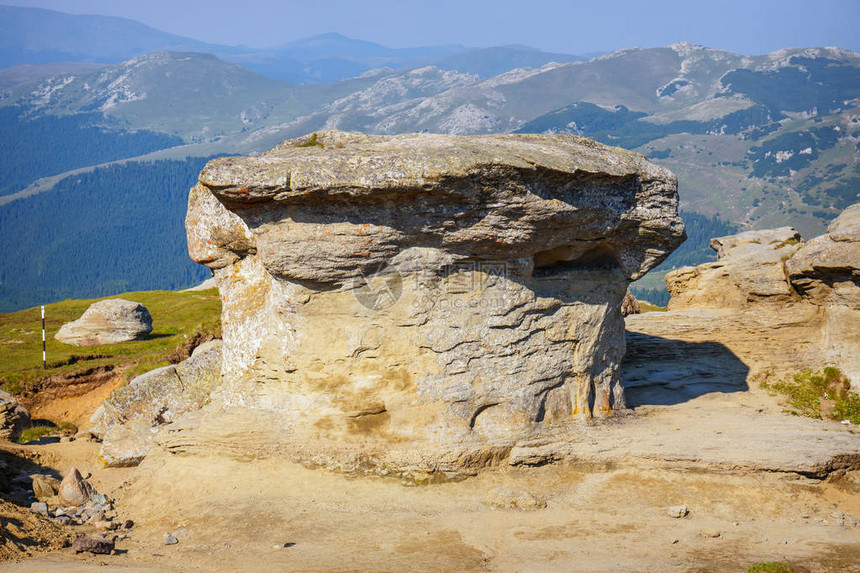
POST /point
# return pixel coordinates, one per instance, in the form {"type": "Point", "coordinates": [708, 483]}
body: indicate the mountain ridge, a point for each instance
{"type": "Point", "coordinates": [40, 36]}
{"type": "Point", "coordinates": [759, 141]}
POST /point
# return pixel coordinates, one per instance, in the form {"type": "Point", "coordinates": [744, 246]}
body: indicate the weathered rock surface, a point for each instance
{"type": "Point", "coordinates": [95, 545]}
{"type": "Point", "coordinates": [427, 299]}
{"type": "Point", "coordinates": [107, 322]}
{"type": "Point", "coordinates": [13, 416]}
{"type": "Point", "coordinates": [74, 489]}
{"type": "Point", "coordinates": [750, 269]}
{"type": "Point", "coordinates": [630, 305]}
{"type": "Point", "coordinates": [129, 418]}
{"type": "Point", "coordinates": [827, 268]}
{"type": "Point", "coordinates": [826, 272]}
{"type": "Point", "coordinates": [45, 486]}
{"type": "Point", "coordinates": [785, 303]}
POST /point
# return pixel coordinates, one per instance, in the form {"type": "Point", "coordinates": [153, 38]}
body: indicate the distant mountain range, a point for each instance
{"type": "Point", "coordinates": [36, 36]}
{"type": "Point", "coordinates": [758, 141]}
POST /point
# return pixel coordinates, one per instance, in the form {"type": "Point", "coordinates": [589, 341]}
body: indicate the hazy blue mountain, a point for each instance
{"type": "Point", "coordinates": [38, 36]}
{"type": "Point", "coordinates": [756, 141]}
{"type": "Point", "coordinates": [489, 62]}
{"type": "Point", "coordinates": [332, 57]}
{"type": "Point", "coordinates": [195, 96]}
{"type": "Point", "coordinates": [33, 36]}
{"type": "Point", "coordinates": [28, 73]}
{"type": "Point", "coordinates": [333, 45]}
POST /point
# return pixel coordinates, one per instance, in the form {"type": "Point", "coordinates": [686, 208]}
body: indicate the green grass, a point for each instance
{"type": "Point", "coordinates": [310, 142]}
{"type": "Point", "coordinates": [34, 433]}
{"type": "Point", "coordinates": [48, 429]}
{"type": "Point", "coordinates": [806, 390]}
{"type": "Point", "coordinates": [176, 318]}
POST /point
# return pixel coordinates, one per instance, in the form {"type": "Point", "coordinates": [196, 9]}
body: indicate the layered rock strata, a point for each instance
{"type": "Point", "coordinates": [427, 297]}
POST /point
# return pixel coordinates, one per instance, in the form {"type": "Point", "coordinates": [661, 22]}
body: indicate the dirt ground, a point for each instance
{"type": "Point", "coordinates": [268, 514]}
{"type": "Point", "coordinates": [759, 485]}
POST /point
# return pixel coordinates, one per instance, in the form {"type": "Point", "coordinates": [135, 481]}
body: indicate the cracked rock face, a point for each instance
{"type": "Point", "coordinates": [425, 299]}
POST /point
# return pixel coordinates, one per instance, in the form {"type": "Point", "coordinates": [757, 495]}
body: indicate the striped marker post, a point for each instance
{"type": "Point", "coordinates": [44, 355]}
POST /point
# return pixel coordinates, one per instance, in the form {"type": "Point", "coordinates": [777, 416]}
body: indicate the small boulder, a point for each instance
{"type": "Point", "coordinates": [13, 417]}
{"type": "Point", "coordinates": [515, 499]}
{"type": "Point", "coordinates": [74, 489]}
{"type": "Point", "coordinates": [95, 545]}
{"type": "Point", "coordinates": [103, 525]}
{"type": "Point", "coordinates": [107, 322]}
{"type": "Point", "coordinates": [40, 507]}
{"type": "Point", "coordinates": [678, 511]}
{"type": "Point", "coordinates": [630, 305]}
{"type": "Point", "coordinates": [45, 486]}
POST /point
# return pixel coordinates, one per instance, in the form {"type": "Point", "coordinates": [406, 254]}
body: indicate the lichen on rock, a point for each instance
{"type": "Point", "coordinates": [427, 300]}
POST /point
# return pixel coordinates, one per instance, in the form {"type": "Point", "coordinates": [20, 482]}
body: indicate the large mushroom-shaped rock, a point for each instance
{"type": "Point", "coordinates": [427, 299]}
{"type": "Point", "coordinates": [107, 322]}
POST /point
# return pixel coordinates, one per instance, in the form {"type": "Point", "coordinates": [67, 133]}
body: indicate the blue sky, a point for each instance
{"type": "Point", "coordinates": [573, 26]}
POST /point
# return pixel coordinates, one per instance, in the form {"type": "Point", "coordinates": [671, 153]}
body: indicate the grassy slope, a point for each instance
{"type": "Point", "coordinates": [176, 317]}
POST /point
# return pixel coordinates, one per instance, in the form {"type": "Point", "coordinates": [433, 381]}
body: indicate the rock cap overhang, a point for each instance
{"type": "Point", "coordinates": [492, 197]}
{"type": "Point", "coordinates": [350, 161]}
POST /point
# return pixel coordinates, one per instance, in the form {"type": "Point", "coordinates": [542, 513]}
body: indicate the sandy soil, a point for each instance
{"type": "Point", "coordinates": [238, 516]}
{"type": "Point", "coordinates": [759, 485]}
{"type": "Point", "coordinates": [72, 400]}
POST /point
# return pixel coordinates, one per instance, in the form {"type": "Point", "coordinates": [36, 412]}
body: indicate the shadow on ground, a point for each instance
{"type": "Point", "coordinates": [15, 484]}
{"type": "Point", "coordinates": [662, 371]}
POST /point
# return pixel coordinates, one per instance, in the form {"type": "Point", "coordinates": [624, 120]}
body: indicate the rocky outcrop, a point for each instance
{"type": "Point", "coordinates": [107, 322]}
{"type": "Point", "coordinates": [629, 305]}
{"type": "Point", "coordinates": [750, 269]}
{"type": "Point", "coordinates": [129, 418]}
{"type": "Point", "coordinates": [13, 417]}
{"type": "Point", "coordinates": [802, 297]}
{"type": "Point", "coordinates": [427, 300]}
{"type": "Point", "coordinates": [826, 272]}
